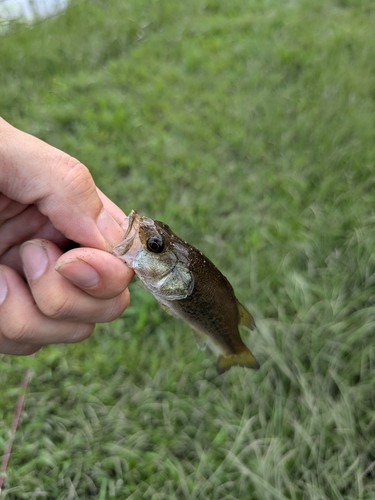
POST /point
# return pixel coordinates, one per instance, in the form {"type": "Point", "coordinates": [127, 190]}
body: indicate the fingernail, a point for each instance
{"type": "Point", "coordinates": [109, 228]}
{"type": "Point", "coordinates": [3, 287]}
{"type": "Point", "coordinates": [78, 272]}
{"type": "Point", "coordinates": [35, 259]}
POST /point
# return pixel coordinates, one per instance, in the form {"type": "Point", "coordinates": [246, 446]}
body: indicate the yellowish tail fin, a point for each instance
{"type": "Point", "coordinates": [245, 358]}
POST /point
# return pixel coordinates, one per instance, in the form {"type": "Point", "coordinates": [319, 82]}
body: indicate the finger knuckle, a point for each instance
{"type": "Point", "coordinates": [75, 176]}
{"type": "Point", "coordinates": [18, 330]}
{"type": "Point", "coordinates": [78, 180]}
{"type": "Point", "coordinates": [57, 306]}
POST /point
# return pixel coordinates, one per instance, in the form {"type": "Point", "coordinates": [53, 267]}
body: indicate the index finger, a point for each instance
{"type": "Point", "coordinates": [33, 172]}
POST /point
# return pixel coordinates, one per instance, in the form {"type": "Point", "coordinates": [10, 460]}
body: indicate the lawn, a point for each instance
{"type": "Point", "coordinates": [249, 127]}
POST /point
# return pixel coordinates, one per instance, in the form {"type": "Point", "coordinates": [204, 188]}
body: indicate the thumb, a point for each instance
{"type": "Point", "coordinates": [33, 172]}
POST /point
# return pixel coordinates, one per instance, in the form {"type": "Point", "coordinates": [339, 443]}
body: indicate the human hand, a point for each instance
{"type": "Point", "coordinates": [47, 201]}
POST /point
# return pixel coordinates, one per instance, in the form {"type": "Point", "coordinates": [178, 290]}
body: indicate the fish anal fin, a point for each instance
{"type": "Point", "coordinates": [244, 358]}
{"type": "Point", "coordinates": [245, 318]}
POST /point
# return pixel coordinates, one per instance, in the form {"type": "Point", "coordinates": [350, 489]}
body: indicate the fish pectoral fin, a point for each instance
{"type": "Point", "coordinates": [244, 358]}
{"type": "Point", "coordinates": [168, 310]}
{"type": "Point", "coordinates": [245, 318]}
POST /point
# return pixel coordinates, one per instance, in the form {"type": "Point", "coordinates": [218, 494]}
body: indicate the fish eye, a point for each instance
{"type": "Point", "coordinates": [155, 244]}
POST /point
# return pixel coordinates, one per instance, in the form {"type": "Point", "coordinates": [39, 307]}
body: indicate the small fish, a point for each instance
{"type": "Point", "coordinates": [188, 286]}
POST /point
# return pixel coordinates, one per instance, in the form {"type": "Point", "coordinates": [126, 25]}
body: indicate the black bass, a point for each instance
{"type": "Point", "coordinates": [188, 286]}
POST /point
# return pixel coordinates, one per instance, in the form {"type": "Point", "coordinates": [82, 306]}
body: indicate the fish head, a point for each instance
{"type": "Point", "coordinates": [158, 257]}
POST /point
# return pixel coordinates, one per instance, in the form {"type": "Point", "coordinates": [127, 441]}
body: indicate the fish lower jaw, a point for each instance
{"type": "Point", "coordinates": [128, 248]}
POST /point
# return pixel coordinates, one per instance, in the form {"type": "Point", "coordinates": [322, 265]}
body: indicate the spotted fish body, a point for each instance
{"type": "Point", "coordinates": [189, 286]}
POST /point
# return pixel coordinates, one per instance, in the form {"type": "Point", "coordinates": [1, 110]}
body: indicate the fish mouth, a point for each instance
{"type": "Point", "coordinates": [131, 232]}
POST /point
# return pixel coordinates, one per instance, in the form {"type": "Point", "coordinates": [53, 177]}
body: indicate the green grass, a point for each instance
{"type": "Point", "coordinates": [249, 127]}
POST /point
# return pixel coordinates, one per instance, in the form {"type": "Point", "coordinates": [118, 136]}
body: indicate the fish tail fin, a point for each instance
{"type": "Point", "coordinates": [244, 358]}
{"type": "Point", "coordinates": [245, 318]}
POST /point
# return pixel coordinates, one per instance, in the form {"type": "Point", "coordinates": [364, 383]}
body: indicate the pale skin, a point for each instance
{"type": "Point", "coordinates": [47, 201]}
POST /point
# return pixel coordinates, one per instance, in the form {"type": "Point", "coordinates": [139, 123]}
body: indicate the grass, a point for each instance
{"type": "Point", "coordinates": [249, 128]}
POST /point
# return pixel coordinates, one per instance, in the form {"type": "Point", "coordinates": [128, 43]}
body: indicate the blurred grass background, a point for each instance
{"type": "Point", "coordinates": [249, 127]}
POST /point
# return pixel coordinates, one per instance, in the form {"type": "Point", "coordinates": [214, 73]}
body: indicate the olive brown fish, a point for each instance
{"type": "Point", "coordinates": [189, 286]}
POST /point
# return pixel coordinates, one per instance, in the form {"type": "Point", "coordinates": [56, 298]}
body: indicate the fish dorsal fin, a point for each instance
{"type": "Point", "coordinates": [245, 318]}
